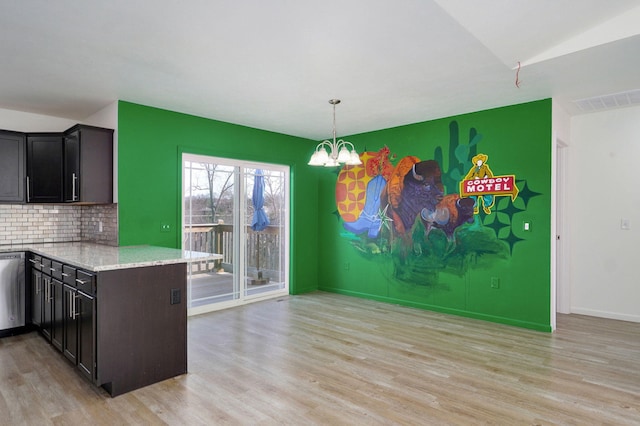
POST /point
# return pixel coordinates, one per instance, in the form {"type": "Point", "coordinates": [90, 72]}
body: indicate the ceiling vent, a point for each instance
{"type": "Point", "coordinates": [615, 100]}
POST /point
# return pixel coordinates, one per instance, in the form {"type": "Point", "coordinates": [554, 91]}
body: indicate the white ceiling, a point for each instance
{"type": "Point", "coordinates": [274, 64]}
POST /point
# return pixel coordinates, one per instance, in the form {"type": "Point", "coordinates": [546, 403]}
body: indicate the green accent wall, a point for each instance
{"type": "Point", "coordinates": [518, 141]}
{"type": "Point", "coordinates": [323, 255]}
{"type": "Point", "coordinates": [150, 145]}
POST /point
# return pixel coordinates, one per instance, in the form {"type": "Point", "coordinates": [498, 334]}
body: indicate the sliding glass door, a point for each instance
{"type": "Point", "coordinates": [239, 210]}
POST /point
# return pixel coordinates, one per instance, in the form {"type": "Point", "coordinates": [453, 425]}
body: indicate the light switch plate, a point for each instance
{"type": "Point", "coordinates": [495, 282]}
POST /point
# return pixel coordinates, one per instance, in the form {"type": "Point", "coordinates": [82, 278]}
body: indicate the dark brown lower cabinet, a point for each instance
{"type": "Point", "coordinates": [86, 306]}
{"type": "Point", "coordinates": [37, 289]}
{"type": "Point", "coordinates": [57, 315]}
{"type": "Point", "coordinates": [141, 328]}
{"type": "Point", "coordinates": [123, 328]}
{"type": "Point", "coordinates": [52, 324]}
{"type": "Point", "coordinates": [48, 306]}
{"type": "Point", "coordinates": [46, 325]}
{"type": "Point", "coordinates": [79, 330]}
{"type": "Point", "coordinates": [70, 349]}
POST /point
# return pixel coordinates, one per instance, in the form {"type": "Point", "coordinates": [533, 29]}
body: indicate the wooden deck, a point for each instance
{"type": "Point", "coordinates": [212, 287]}
{"type": "Point", "coordinates": [327, 359]}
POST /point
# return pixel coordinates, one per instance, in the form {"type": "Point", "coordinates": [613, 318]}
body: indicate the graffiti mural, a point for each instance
{"type": "Point", "coordinates": [426, 220]}
{"type": "Point", "coordinates": [482, 186]}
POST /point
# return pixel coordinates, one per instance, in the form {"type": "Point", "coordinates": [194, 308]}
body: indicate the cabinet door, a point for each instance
{"type": "Point", "coordinates": [72, 166]}
{"type": "Point", "coordinates": [12, 167]}
{"type": "Point", "coordinates": [37, 296]}
{"type": "Point", "coordinates": [44, 168]}
{"type": "Point", "coordinates": [47, 307]}
{"type": "Point", "coordinates": [86, 316]}
{"type": "Point", "coordinates": [70, 340]}
{"type": "Point", "coordinates": [88, 164]}
{"type": "Point", "coordinates": [57, 327]}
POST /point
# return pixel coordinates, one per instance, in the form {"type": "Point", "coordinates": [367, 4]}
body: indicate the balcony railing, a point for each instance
{"type": "Point", "coordinates": [262, 248]}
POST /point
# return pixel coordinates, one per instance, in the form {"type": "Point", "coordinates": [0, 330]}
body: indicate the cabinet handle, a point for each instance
{"type": "Point", "coordinates": [73, 312]}
{"type": "Point", "coordinates": [79, 281]}
{"type": "Point", "coordinates": [52, 269]}
{"type": "Point", "coordinates": [38, 284]}
{"type": "Point", "coordinates": [28, 192]}
{"type": "Point", "coordinates": [64, 274]}
{"type": "Point", "coordinates": [32, 261]}
{"type": "Point", "coordinates": [74, 197]}
{"type": "Point", "coordinates": [42, 265]}
{"type": "Point", "coordinates": [74, 297]}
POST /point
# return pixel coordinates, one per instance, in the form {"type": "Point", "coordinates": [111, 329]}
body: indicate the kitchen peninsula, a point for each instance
{"type": "Point", "coordinates": [118, 313]}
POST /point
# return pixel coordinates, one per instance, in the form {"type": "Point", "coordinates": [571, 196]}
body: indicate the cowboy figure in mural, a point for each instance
{"type": "Point", "coordinates": [481, 170]}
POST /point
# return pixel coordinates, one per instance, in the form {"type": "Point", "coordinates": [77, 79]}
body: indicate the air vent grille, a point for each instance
{"type": "Point", "coordinates": [615, 100]}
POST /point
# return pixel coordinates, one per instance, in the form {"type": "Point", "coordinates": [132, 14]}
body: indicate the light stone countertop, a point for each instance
{"type": "Point", "coordinates": [98, 257]}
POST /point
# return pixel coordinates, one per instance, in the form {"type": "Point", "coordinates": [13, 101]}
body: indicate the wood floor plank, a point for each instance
{"type": "Point", "coordinates": [323, 358]}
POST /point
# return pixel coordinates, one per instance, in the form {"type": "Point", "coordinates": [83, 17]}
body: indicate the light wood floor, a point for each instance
{"type": "Point", "coordinates": [330, 359]}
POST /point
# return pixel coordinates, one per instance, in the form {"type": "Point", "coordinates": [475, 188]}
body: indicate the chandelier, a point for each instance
{"type": "Point", "coordinates": [338, 149]}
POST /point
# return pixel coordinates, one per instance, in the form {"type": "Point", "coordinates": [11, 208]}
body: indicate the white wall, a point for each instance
{"type": "Point", "coordinates": [19, 121]}
{"type": "Point", "coordinates": [604, 155]}
{"type": "Point", "coordinates": [561, 122]}
{"type": "Point", "coordinates": [106, 117]}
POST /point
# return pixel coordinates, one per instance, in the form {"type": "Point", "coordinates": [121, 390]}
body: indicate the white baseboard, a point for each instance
{"type": "Point", "coordinates": [605, 314]}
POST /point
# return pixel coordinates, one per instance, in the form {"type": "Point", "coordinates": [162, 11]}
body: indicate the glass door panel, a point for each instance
{"type": "Point", "coordinates": [265, 242]}
{"type": "Point", "coordinates": [208, 215]}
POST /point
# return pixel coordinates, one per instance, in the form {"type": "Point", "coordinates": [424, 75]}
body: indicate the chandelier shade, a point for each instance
{"type": "Point", "coordinates": [333, 153]}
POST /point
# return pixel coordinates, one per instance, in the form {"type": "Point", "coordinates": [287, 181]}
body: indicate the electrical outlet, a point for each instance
{"type": "Point", "coordinates": [495, 282]}
{"type": "Point", "coordinates": [175, 296]}
{"type": "Point", "coordinates": [165, 227]}
{"type": "Point", "coordinates": [347, 266]}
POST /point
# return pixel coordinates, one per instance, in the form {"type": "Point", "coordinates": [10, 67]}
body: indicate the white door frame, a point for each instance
{"type": "Point", "coordinates": [238, 222]}
{"type": "Point", "coordinates": [561, 240]}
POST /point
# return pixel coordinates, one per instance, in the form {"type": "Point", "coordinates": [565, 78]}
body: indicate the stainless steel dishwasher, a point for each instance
{"type": "Point", "coordinates": [12, 292]}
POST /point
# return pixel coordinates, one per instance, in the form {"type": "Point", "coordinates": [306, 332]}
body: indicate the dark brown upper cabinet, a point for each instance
{"type": "Point", "coordinates": [12, 167]}
{"type": "Point", "coordinates": [75, 166]}
{"type": "Point", "coordinates": [88, 165]}
{"type": "Point", "coordinates": [44, 167]}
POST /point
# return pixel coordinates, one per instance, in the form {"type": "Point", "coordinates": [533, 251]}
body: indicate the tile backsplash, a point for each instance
{"type": "Point", "coordinates": [100, 224]}
{"type": "Point", "coordinates": [56, 223]}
